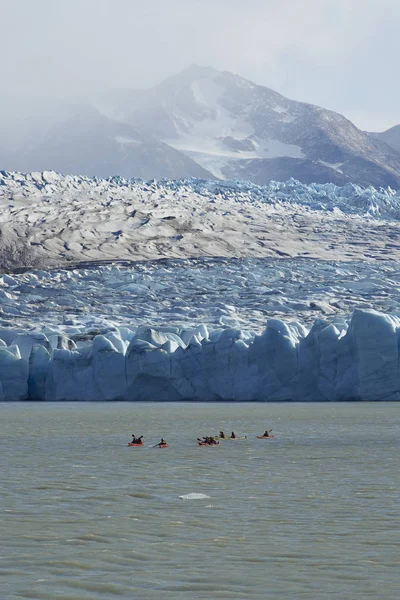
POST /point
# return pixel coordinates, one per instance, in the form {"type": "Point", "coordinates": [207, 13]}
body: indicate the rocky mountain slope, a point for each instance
{"type": "Point", "coordinates": [391, 137]}
{"type": "Point", "coordinates": [235, 128]}
{"type": "Point", "coordinates": [82, 140]}
{"type": "Point", "coordinates": [204, 123]}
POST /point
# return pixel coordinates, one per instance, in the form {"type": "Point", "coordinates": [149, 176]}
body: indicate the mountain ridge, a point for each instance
{"type": "Point", "coordinates": [206, 123]}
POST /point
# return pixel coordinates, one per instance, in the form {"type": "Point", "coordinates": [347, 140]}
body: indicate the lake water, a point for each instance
{"type": "Point", "coordinates": [312, 513]}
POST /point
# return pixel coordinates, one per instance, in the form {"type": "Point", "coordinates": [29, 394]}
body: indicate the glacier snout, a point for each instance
{"type": "Point", "coordinates": [285, 362]}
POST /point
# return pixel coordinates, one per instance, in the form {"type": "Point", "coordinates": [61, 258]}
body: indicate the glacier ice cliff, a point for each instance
{"type": "Point", "coordinates": [286, 361]}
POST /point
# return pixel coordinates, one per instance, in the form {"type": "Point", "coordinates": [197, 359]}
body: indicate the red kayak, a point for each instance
{"type": "Point", "coordinates": [132, 444]}
{"type": "Point", "coordinates": [265, 437]}
{"type": "Point", "coordinates": [162, 446]}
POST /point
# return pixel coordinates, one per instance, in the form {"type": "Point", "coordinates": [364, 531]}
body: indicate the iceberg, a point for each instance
{"type": "Point", "coordinates": [359, 360]}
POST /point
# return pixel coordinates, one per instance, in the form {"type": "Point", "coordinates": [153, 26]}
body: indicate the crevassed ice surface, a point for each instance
{"type": "Point", "coordinates": [48, 220]}
{"type": "Point", "coordinates": [219, 292]}
{"type": "Point", "coordinates": [350, 199]}
{"type": "Point", "coordinates": [204, 329]}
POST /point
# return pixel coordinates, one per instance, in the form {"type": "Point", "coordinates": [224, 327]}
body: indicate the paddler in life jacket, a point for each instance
{"type": "Point", "coordinates": [136, 440]}
{"type": "Point", "coordinates": [265, 434]}
{"type": "Point", "coordinates": [233, 435]}
{"type": "Point", "coordinates": [222, 435]}
{"type": "Point", "coordinates": [163, 442]}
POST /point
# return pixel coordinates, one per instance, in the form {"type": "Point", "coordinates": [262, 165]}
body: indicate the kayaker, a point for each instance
{"type": "Point", "coordinates": [222, 435]}
{"type": "Point", "coordinates": [136, 440]}
{"type": "Point", "coordinates": [163, 442]}
{"type": "Point", "coordinates": [265, 434]}
{"type": "Point", "coordinates": [233, 435]}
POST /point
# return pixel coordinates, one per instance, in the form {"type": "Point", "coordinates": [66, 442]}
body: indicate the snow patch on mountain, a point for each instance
{"type": "Point", "coordinates": [217, 136]}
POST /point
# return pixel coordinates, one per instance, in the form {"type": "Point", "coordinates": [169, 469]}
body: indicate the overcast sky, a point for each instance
{"type": "Point", "coordinates": [339, 54]}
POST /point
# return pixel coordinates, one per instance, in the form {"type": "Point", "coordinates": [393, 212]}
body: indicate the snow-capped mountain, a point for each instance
{"type": "Point", "coordinates": [199, 123]}
{"type": "Point", "coordinates": [237, 129]}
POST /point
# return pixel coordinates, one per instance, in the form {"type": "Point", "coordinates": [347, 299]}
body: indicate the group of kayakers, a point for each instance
{"type": "Point", "coordinates": [224, 437]}
{"type": "Point", "coordinates": [207, 440]}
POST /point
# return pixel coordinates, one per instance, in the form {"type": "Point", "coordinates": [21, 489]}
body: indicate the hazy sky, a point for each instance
{"type": "Point", "coordinates": [339, 54]}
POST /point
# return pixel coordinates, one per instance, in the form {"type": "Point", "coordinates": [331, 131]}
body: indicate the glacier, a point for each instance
{"type": "Point", "coordinates": [53, 221]}
{"type": "Point", "coordinates": [285, 362]}
{"type": "Point", "coordinates": [381, 203]}
{"type": "Point", "coordinates": [197, 290]}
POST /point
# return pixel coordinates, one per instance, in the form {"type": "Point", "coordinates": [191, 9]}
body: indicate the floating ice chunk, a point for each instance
{"type": "Point", "coordinates": [194, 496]}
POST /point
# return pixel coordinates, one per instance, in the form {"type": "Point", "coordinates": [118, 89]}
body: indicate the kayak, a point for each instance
{"type": "Point", "coordinates": [241, 437]}
{"type": "Point", "coordinates": [132, 444]}
{"type": "Point", "coordinates": [265, 437]}
{"type": "Point", "coordinates": [207, 444]}
{"type": "Point", "coordinates": [162, 446]}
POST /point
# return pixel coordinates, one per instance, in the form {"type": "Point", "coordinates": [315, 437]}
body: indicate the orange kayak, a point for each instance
{"type": "Point", "coordinates": [265, 437]}
{"type": "Point", "coordinates": [132, 444]}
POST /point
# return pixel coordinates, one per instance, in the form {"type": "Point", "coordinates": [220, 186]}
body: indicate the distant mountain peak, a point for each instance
{"type": "Point", "coordinates": [391, 137]}
{"type": "Point", "coordinates": [207, 122]}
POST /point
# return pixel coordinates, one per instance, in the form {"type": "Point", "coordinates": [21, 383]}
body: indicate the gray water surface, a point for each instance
{"type": "Point", "coordinates": [312, 513]}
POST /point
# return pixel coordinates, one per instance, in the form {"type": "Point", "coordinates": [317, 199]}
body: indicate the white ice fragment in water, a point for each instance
{"type": "Point", "coordinates": [194, 496]}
